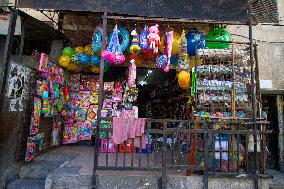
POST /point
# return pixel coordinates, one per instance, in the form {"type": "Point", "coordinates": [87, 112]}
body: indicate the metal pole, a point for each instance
{"type": "Point", "coordinates": [253, 89]}
{"type": "Point", "coordinates": [23, 33]}
{"type": "Point", "coordinates": [101, 87]}
{"type": "Point", "coordinates": [6, 56]}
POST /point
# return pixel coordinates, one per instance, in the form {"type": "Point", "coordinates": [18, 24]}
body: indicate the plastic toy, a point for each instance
{"type": "Point", "coordinates": [161, 61]}
{"type": "Point", "coordinates": [88, 50]}
{"type": "Point", "coordinates": [64, 61]}
{"type": "Point", "coordinates": [175, 44]}
{"type": "Point", "coordinates": [221, 34]}
{"type": "Point", "coordinates": [43, 62]}
{"type": "Point", "coordinates": [79, 50]}
{"type": "Point", "coordinates": [184, 79]}
{"type": "Point", "coordinates": [154, 38]}
{"type": "Point", "coordinates": [97, 39]}
{"type": "Point", "coordinates": [135, 48]}
{"type": "Point", "coordinates": [174, 60]}
{"type": "Point", "coordinates": [113, 54]}
{"type": "Point", "coordinates": [132, 73]}
{"type": "Point", "coordinates": [195, 39]}
{"type": "Point", "coordinates": [68, 51]}
{"type": "Point", "coordinates": [124, 35]}
{"type": "Point", "coordinates": [95, 60]}
{"type": "Point", "coordinates": [144, 44]}
{"type": "Point", "coordinates": [170, 38]}
{"type": "Point", "coordinates": [81, 58]}
{"type": "Point", "coordinates": [66, 93]}
{"type": "Point", "coordinates": [183, 62]}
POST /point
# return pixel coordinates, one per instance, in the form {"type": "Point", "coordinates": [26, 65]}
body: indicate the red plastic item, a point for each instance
{"type": "Point", "coordinates": [128, 148]}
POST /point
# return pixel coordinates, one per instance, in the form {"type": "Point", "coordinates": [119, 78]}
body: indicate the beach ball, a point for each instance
{"type": "Point", "coordinates": [194, 38]}
{"type": "Point", "coordinates": [218, 33]}
{"type": "Point", "coordinates": [68, 51]}
{"type": "Point", "coordinates": [89, 50]}
{"type": "Point", "coordinates": [79, 50]}
{"type": "Point", "coordinates": [64, 61]}
{"type": "Point", "coordinates": [81, 58]}
{"type": "Point", "coordinates": [184, 79]}
{"type": "Point", "coordinates": [175, 45]}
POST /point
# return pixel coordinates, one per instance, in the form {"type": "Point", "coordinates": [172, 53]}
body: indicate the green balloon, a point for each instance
{"type": "Point", "coordinates": [221, 34]}
{"type": "Point", "coordinates": [68, 51]}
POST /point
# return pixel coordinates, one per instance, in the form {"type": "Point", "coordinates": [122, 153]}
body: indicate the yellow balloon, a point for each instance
{"type": "Point", "coordinates": [89, 50]}
{"type": "Point", "coordinates": [79, 50]}
{"type": "Point", "coordinates": [64, 61]}
{"type": "Point", "coordinates": [95, 69]}
{"type": "Point", "coordinates": [175, 46]}
{"type": "Point", "coordinates": [184, 79]}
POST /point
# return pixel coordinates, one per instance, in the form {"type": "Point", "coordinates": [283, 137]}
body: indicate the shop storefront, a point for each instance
{"type": "Point", "coordinates": [151, 93]}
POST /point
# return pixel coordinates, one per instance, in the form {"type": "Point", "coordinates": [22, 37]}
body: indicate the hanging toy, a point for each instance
{"type": "Point", "coordinates": [64, 61]}
{"type": "Point", "coordinates": [161, 61]}
{"type": "Point", "coordinates": [132, 73]}
{"type": "Point", "coordinates": [170, 39]}
{"type": "Point", "coordinates": [97, 39]}
{"type": "Point", "coordinates": [123, 34]}
{"type": "Point", "coordinates": [95, 60]}
{"type": "Point", "coordinates": [183, 58]}
{"type": "Point", "coordinates": [175, 45]}
{"type": "Point", "coordinates": [68, 51]}
{"type": "Point", "coordinates": [89, 50]}
{"type": "Point", "coordinates": [144, 44]}
{"type": "Point", "coordinates": [66, 93]}
{"type": "Point", "coordinates": [184, 79]}
{"type": "Point", "coordinates": [195, 39]}
{"type": "Point", "coordinates": [134, 48]}
{"type": "Point", "coordinates": [154, 38]}
{"type": "Point", "coordinates": [79, 50]}
{"type": "Point", "coordinates": [44, 90]}
{"type": "Point", "coordinates": [81, 58]}
{"type": "Point", "coordinates": [220, 34]}
{"type": "Point", "coordinates": [113, 54]}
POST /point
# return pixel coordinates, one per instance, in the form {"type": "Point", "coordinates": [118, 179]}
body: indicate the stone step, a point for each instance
{"type": "Point", "coordinates": [38, 169]}
{"type": "Point", "coordinates": [27, 184]}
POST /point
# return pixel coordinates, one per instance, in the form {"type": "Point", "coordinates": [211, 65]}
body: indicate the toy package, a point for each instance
{"type": "Point", "coordinates": [54, 89]}
{"type": "Point", "coordinates": [42, 67]}
{"type": "Point", "coordinates": [94, 98]}
{"type": "Point", "coordinates": [74, 82]}
{"type": "Point", "coordinates": [107, 104]}
{"type": "Point", "coordinates": [84, 130]}
{"type": "Point", "coordinates": [37, 107]}
{"type": "Point", "coordinates": [55, 74]}
{"type": "Point", "coordinates": [69, 135]}
{"type": "Point", "coordinates": [31, 151]}
{"type": "Point", "coordinates": [34, 125]}
{"type": "Point", "coordinates": [40, 141]}
{"type": "Point", "coordinates": [108, 86]}
{"type": "Point", "coordinates": [81, 114]}
{"type": "Point", "coordinates": [92, 113]}
{"type": "Point", "coordinates": [84, 99]}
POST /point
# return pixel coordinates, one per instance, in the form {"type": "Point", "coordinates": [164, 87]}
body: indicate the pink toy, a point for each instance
{"type": "Point", "coordinates": [154, 38]}
{"type": "Point", "coordinates": [132, 73]}
{"type": "Point", "coordinates": [170, 39]}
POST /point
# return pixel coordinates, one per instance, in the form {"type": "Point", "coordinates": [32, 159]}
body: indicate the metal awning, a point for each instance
{"type": "Point", "coordinates": [213, 10]}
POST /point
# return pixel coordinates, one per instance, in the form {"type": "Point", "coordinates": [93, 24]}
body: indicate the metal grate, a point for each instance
{"type": "Point", "coordinates": [265, 11]}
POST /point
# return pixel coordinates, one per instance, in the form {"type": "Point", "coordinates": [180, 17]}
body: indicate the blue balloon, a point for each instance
{"type": "Point", "coordinates": [95, 60]}
{"type": "Point", "coordinates": [174, 60]}
{"type": "Point", "coordinates": [195, 38]}
{"type": "Point", "coordinates": [123, 35]}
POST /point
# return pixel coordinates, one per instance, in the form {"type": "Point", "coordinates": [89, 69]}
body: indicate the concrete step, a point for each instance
{"type": "Point", "coordinates": [27, 184]}
{"type": "Point", "coordinates": [38, 169]}
{"type": "Point", "coordinates": [276, 186]}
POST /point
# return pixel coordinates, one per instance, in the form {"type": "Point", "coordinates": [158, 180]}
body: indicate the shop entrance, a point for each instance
{"type": "Point", "coordinates": [270, 108]}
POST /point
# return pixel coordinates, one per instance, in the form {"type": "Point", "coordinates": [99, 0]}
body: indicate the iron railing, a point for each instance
{"type": "Point", "coordinates": [209, 148]}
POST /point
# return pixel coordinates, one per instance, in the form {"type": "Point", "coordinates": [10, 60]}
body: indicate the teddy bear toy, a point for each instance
{"type": "Point", "coordinates": [154, 38]}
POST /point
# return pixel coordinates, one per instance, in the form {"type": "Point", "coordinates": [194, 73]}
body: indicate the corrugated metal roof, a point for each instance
{"type": "Point", "coordinates": [265, 11]}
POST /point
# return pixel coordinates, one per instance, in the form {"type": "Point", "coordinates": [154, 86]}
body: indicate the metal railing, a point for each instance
{"type": "Point", "coordinates": [209, 148]}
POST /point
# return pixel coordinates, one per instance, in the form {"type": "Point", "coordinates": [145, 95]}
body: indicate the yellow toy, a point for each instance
{"type": "Point", "coordinates": [184, 79]}
{"type": "Point", "coordinates": [175, 45]}
{"type": "Point", "coordinates": [95, 69]}
{"type": "Point", "coordinates": [64, 61]}
{"type": "Point", "coordinates": [89, 50]}
{"type": "Point", "coordinates": [79, 50]}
